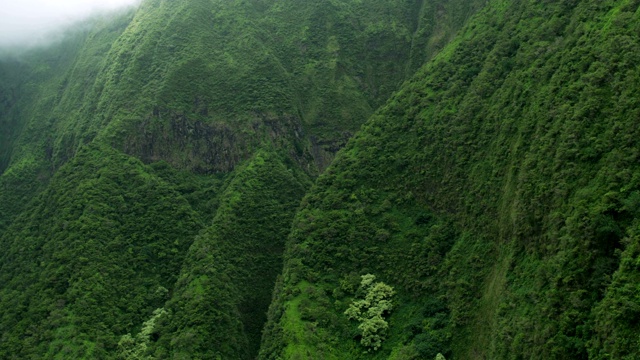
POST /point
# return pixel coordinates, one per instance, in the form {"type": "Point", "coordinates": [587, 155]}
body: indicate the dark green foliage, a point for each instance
{"type": "Point", "coordinates": [617, 316]}
{"type": "Point", "coordinates": [192, 88]}
{"type": "Point", "coordinates": [9, 88]}
{"type": "Point", "coordinates": [42, 90]}
{"type": "Point", "coordinates": [521, 140]}
{"type": "Point", "coordinates": [221, 298]}
{"type": "Point", "coordinates": [93, 256]}
{"type": "Point", "coordinates": [156, 159]}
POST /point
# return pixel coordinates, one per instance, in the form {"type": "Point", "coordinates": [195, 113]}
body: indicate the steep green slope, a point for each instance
{"type": "Point", "coordinates": [346, 58]}
{"type": "Point", "coordinates": [155, 161]}
{"type": "Point", "coordinates": [9, 88]}
{"type": "Point", "coordinates": [496, 193]}
{"type": "Point", "coordinates": [93, 255]}
{"type": "Point", "coordinates": [41, 90]}
{"type": "Point", "coordinates": [201, 84]}
{"type": "Point", "coordinates": [224, 290]}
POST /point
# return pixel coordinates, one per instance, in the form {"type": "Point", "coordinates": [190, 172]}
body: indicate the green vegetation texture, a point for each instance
{"type": "Point", "coordinates": [496, 192]}
{"type": "Point", "coordinates": [151, 162]}
{"type": "Point", "coordinates": [207, 179]}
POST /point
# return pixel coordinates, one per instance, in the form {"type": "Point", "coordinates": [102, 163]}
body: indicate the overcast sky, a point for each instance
{"type": "Point", "coordinates": [29, 21]}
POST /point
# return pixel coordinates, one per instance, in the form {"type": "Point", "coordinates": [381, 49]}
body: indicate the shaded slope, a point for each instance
{"type": "Point", "coordinates": [218, 307]}
{"type": "Point", "coordinates": [43, 90]}
{"type": "Point", "coordinates": [96, 252]}
{"type": "Point", "coordinates": [496, 192]}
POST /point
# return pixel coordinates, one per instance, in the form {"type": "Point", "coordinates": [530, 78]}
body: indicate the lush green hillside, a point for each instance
{"type": "Point", "coordinates": [43, 91]}
{"type": "Point", "coordinates": [219, 305]}
{"type": "Point", "coordinates": [152, 161]}
{"type": "Point", "coordinates": [91, 257]}
{"type": "Point", "coordinates": [202, 84]}
{"type": "Point", "coordinates": [159, 166]}
{"type": "Point", "coordinates": [497, 193]}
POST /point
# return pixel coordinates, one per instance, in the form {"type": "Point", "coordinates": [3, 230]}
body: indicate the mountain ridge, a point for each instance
{"type": "Point", "coordinates": [165, 168]}
{"type": "Point", "coordinates": [501, 139]}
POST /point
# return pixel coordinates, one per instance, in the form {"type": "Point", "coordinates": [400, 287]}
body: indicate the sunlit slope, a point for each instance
{"type": "Point", "coordinates": [497, 193]}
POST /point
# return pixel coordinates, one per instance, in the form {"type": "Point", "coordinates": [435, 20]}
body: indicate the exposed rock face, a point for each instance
{"type": "Point", "coordinates": [216, 147]}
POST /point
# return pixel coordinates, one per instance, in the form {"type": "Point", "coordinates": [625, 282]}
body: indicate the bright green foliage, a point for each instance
{"type": "Point", "coordinates": [134, 349]}
{"type": "Point", "coordinates": [496, 192]}
{"type": "Point", "coordinates": [371, 310]}
{"type": "Point", "coordinates": [440, 357]}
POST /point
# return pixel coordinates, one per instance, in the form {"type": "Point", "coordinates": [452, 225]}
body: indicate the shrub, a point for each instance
{"type": "Point", "coordinates": [371, 311]}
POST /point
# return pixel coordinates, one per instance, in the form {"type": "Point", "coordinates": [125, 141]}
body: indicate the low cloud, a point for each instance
{"type": "Point", "coordinates": [29, 22]}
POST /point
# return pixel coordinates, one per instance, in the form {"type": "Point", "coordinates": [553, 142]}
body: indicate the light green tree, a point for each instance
{"type": "Point", "coordinates": [440, 357]}
{"type": "Point", "coordinates": [371, 310]}
{"type": "Point", "coordinates": [130, 348]}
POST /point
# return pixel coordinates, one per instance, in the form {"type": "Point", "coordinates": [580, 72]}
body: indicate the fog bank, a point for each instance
{"type": "Point", "coordinates": [31, 22]}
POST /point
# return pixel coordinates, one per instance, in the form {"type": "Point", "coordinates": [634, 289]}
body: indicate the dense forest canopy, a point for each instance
{"type": "Point", "coordinates": [336, 179]}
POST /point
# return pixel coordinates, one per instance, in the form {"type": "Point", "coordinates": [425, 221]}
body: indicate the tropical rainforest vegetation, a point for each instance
{"type": "Point", "coordinates": [332, 179]}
